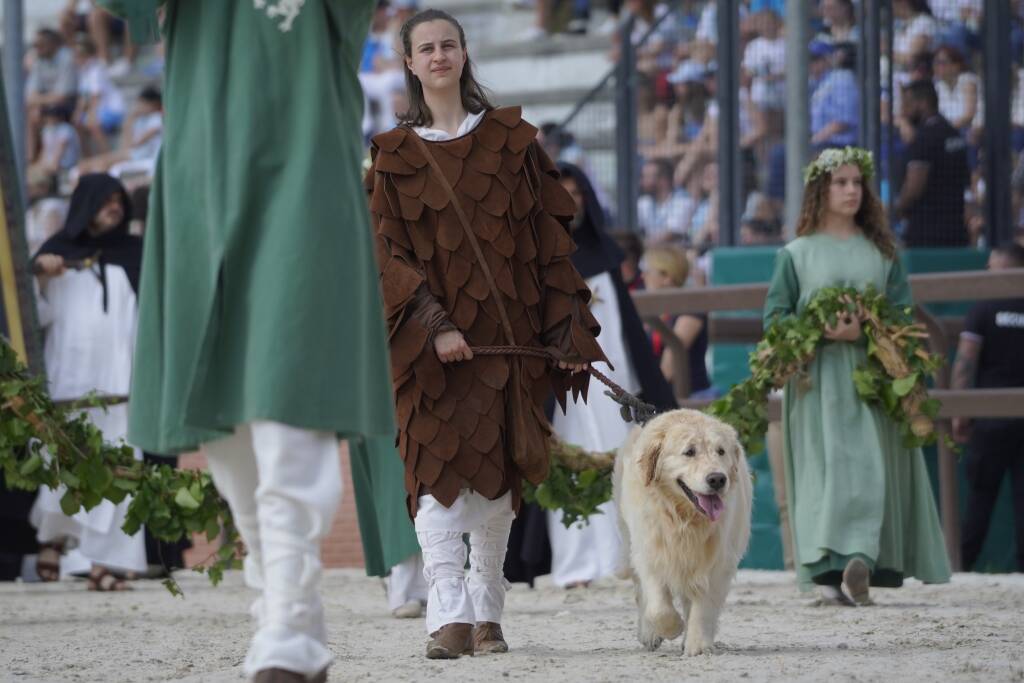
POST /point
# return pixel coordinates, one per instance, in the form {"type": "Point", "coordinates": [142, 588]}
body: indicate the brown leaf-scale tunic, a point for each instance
{"type": "Point", "coordinates": [454, 419]}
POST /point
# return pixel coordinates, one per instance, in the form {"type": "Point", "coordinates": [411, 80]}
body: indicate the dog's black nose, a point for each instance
{"type": "Point", "coordinates": [716, 480]}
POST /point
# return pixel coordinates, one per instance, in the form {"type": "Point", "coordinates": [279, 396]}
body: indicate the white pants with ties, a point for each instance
{"type": "Point", "coordinates": [455, 595]}
{"type": "Point", "coordinates": [283, 485]}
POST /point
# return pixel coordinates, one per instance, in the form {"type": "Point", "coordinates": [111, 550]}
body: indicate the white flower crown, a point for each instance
{"type": "Point", "coordinates": [831, 159]}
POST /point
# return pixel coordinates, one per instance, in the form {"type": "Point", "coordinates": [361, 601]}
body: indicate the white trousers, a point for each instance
{"type": "Point", "coordinates": [455, 596]}
{"type": "Point", "coordinates": [584, 552]}
{"type": "Point", "coordinates": [283, 485]}
{"type": "Point", "coordinates": [406, 582]}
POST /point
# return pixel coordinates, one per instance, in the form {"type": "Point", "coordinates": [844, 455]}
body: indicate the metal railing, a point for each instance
{"type": "Point", "coordinates": [875, 45]}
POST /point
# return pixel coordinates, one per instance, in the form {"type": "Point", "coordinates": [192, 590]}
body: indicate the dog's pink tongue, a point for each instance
{"type": "Point", "coordinates": [712, 505]}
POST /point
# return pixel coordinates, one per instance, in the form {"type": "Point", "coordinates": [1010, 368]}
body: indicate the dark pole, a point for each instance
{"type": "Point", "coordinates": [871, 91]}
{"type": "Point", "coordinates": [625, 130]}
{"type": "Point", "coordinates": [889, 21]}
{"type": "Point", "coordinates": [998, 156]}
{"type": "Point", "coordinates": [729, 176]}
{"type": "Point", "coordinates": [14, 77]}
{"type": "Point", "coordinates": [862, 70]}
{"type": "Point", "coordinates": [798, 116]}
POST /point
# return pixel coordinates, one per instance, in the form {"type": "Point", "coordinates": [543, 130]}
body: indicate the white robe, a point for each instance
{"type": "Point", "coordinates": [591, 551]}
{"type": "Point", "coordinates": [87, 350]}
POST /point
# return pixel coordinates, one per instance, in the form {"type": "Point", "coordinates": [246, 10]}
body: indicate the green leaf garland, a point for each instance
{"type": "Point", "coordinates": [43, 444]}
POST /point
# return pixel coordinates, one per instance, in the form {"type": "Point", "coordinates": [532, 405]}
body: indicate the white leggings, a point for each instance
{"type": "Point", "coordinates": [453, 596]}
{"type": "Point", "coordinates": [283, 485]}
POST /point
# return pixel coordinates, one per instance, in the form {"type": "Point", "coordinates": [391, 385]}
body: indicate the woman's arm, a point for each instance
{"type": "Point", "coordinates": [970, 105]}
{"type": "Point", "coordinates": [687, 329]}
{"type": "Point", "coordinates": [783, 290]}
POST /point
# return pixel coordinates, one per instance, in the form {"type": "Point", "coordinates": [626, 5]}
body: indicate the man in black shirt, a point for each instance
{"type": "Point", "coordinates": [991, 355]}
{"type": "Point", "coordinates": [932, 196]}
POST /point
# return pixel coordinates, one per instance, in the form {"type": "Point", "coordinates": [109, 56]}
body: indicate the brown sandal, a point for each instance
{"type": "Point", "coordinates": [104, 581]}
{"type": "Point", "coordinates": [48, 562]}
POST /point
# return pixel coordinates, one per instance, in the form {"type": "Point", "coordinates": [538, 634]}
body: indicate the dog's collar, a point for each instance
{"type": "Point", "coordinates": [692, 496]}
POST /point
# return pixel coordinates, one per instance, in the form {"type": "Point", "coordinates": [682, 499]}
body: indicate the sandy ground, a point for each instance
{"type": "Point", "coordinates": [970, 630]}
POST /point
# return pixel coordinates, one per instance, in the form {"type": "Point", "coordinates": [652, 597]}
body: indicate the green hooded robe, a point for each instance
{"type": "Point", "coordinates": [259, 297]}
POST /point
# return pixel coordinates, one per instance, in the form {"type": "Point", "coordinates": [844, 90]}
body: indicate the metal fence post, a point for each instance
{"type": "Point", "coordinates": [625, 130]}
{"type": "Point", "coordinates": [889, 20]}
{"type": "Point", "coordinates": [869, 57]}
{"type": "Point", "coordinates": [14, 78]}
{"type": "Point", "coordinates": [798, 124]}
{"type": "Point", "coordinates": [998, 155]}
{"type": "Point", "coordinates": [727, 95]}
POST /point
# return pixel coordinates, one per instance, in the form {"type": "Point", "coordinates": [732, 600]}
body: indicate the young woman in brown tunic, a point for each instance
{"type": "Point", "coordinates": [472, 243]}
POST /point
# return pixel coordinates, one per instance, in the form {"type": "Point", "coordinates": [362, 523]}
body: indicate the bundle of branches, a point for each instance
{"type": "Point", "coordinates": [893, 378]}
{"type": "Point", "coordinates": [43, 444]}
{"type": "Point", "coordinates": [578, 482]}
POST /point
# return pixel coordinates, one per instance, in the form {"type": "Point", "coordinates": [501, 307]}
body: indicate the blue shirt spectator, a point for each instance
{"type": "Point", "coordinates": [835, 101]}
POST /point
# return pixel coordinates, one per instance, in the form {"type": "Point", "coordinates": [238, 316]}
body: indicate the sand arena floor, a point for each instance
{"type": "Point", "coordinates": [969, 630]}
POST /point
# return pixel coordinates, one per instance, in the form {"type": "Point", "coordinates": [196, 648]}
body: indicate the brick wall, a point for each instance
{"type": "Point", "coordinates": [341, 549]}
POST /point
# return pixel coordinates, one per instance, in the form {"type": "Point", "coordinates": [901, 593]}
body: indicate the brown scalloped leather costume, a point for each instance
{"type": "Point", "coordinates": [453, 419]}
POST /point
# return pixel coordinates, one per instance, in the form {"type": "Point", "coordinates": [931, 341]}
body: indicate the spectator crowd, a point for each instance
{"type": "Point", "coordinates": [93, 104]}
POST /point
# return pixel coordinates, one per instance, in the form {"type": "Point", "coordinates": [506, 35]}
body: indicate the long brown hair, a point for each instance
{"type": "Point", "coordinates": [870, 217]}
{"type": "Point", "coordinates": [474, 96]}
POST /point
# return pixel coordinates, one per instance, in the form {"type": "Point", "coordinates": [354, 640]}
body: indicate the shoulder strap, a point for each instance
{"type": "Point", "coordinates": [470, 235]}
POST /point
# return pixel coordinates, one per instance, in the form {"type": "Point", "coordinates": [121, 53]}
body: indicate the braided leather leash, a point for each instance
{"type": "Point", "coordinates": [632, 408]}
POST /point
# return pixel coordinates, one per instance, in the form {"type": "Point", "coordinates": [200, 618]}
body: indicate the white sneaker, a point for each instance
{"type": "Point", "coordinates": [410, 610]}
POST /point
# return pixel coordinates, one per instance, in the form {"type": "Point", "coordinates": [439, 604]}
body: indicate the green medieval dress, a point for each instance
{"type": "Point", "coordinates": [852, 488]}
{"type": "Point", "coordinates": [259, 297]}
{"type": "Point", "coordinates": [385, 529]}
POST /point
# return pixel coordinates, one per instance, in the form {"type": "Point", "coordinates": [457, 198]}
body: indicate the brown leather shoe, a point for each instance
{"type": "Point", "coordinates": [285, 676]}
{"type": "Point", "coordinates": [450, 642]}
{"type": "Point", "coordinates": [278, 676]}
{"type": "Point", "coordinates": [488, 640]}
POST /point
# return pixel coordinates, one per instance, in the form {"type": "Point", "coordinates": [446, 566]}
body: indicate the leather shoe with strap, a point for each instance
{"type": "Point", "coordinates": [488, 639]}
{"type": "Point", "coordinates": [451, 641]}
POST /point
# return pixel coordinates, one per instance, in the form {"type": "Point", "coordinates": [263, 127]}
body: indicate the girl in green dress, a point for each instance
{"type": "Point", "coordinates": [862, 509]}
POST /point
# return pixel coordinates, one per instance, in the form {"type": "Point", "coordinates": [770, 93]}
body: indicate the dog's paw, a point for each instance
{"type": "Point", "coordinates": [667, 624]}
{"type": "Point", "coordinates": [698, 646]}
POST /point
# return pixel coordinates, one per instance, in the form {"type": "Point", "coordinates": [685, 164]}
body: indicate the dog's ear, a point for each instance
{"type": "Point", "coordinates": [649, 457]}
{"type": "Point", "coordinates": [738, 454]}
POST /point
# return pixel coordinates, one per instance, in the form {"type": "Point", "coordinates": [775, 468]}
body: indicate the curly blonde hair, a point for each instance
{"type": "Point", "coordinates": [870, 217]}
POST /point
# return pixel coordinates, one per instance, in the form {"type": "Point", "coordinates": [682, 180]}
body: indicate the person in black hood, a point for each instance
{"type": "Point", "coordinates": [96, 231]}
{"type": "Point", "coordinates": [539, 542]}
{"type": "Point", "coordinates": [88, 276]}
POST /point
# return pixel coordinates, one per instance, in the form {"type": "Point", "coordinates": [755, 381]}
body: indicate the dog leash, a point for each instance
{"type": "Point", "coordinates": [632, 409]}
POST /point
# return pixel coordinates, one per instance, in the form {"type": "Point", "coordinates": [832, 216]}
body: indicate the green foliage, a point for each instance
{"type": "Point", "coordinates": [576, 494]}
{"type": "Point", "coordinates": [43, 444]}
{"type": "Point", "coordinates": [892, 380]}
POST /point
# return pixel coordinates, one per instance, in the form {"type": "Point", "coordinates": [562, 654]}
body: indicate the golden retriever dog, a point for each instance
{"type": "Point", "coordinates": [683, 493]}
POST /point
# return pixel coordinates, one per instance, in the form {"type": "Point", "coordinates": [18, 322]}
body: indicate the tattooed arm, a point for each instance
{"type": "Point", "coordinates": [965, 370]}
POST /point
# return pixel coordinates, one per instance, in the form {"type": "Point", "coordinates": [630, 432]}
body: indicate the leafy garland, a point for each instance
{"type": "Point", "coordinates": [43, 444]}
{"type": "Point", "coordinates": [893, 380]}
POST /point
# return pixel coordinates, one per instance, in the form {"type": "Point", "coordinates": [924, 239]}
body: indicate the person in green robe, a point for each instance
{"type": "Point", "coordinates": [261, 335]}
{"type": "Point", "coordinates": [390, 548]}
{"type": "Point", "coordinates": [861, 505]}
